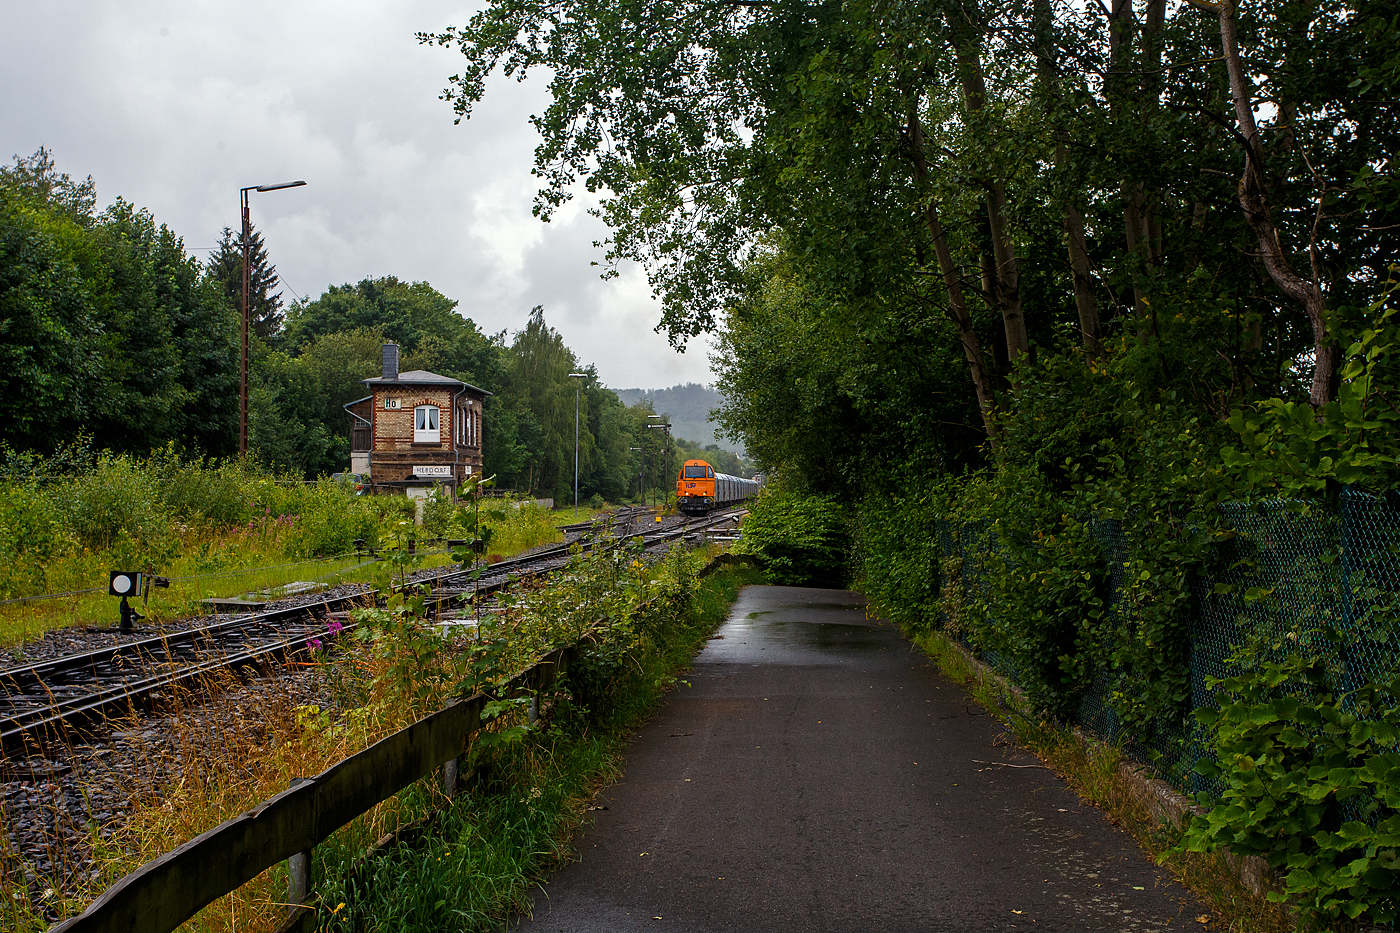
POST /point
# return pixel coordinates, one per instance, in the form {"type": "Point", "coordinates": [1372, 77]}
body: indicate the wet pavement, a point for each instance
{"type": "Point", "coordinates": [819, 774]}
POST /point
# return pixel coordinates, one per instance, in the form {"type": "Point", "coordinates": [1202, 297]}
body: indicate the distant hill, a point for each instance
{"type": "Point", "coordinates": [689, 407]}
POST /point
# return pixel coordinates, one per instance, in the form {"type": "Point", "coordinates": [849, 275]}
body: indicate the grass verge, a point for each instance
{"type": "Point", "coordinates": [1092, 770]}
{"type": "Point", "coordinates": [223, 565]}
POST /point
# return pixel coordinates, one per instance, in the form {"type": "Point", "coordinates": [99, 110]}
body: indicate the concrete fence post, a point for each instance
{"type": "Point", "coordinates": [449, 777]}
{"type": "Point", "coordinates": [298, 871]}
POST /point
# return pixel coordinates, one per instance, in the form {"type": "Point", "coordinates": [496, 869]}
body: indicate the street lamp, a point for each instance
{"type": "Point", "coordinates": [665, 453]}
{"type": "Point", "coordinates": [243, 372]}
{"type": "Point", "coordinates": [641, 488]}
{"type": "Point", "coordinates": [576, 388]}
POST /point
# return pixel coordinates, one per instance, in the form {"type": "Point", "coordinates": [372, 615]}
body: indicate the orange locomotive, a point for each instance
{"type": "Point", "coordinates": [699, 488]}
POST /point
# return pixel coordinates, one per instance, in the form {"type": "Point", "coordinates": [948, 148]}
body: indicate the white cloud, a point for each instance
{"type": "Point", "coordinates": [176, 104]}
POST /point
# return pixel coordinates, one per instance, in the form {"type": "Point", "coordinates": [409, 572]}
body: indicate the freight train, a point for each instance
{"type": "Point", "coordinates": [699, 488]}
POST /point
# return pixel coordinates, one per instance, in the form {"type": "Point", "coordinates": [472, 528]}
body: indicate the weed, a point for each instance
{"type": "Point", "coordinates": [483, 852]}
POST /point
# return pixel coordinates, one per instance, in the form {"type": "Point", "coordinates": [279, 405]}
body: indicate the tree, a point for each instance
{"type": "Point", "coordinates": [984, 145]}
{"type": "Point", "coordinates": [536, 385]}
{"type": "Point", "coordinates": [106, 325]}
{"type": "Point", "coordinates": [420, 319]}
{"type": "Point", "coordinates": [226, 265]}
{"type": "Point", "coordinates": [48, 345]}
{"type": "Point", "coordinates": [38, 178]}
{"type": "Point", "coordinates": [285, 409]}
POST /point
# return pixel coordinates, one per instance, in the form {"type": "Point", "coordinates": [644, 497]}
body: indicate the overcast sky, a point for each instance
{"type": "Point", "coordinates": [176, 104]}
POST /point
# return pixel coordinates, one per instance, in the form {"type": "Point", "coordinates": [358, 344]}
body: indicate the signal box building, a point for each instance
{"type": "Point", "coordinates": [415, 430]}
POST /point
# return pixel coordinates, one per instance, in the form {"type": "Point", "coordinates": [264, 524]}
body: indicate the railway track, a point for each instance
{"type": "Point", "coordinates": [44, 702]}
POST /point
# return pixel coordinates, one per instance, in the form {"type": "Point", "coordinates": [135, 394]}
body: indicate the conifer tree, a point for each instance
{"type": "Point", "coordinates": [226, 265]}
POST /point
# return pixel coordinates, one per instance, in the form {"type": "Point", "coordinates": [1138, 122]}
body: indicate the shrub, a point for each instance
{"type": "Point", "coordinates": [1310, 780]}
{"type": "Point", "coordinates": [803, 540]}
{"type": "Point", "coordinates": [116, 503]}
{"type": "Point", "coordinates": [438, 512]}
{"type": "Point", "coordinates": [200, 492]}
{"type": "Point", "coordinates": [31, 534]}
{"type": "Point", "coordinates": [330, 520]}
{"type": "Point", "coordinates": [899, 553]}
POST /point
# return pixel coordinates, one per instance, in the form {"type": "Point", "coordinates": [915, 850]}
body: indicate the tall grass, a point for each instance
{"type": "Point", "coordinates": [215, 528]}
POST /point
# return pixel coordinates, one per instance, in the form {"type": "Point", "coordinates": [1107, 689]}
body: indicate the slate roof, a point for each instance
{"type": "Point", "coordinates": [421, 377]}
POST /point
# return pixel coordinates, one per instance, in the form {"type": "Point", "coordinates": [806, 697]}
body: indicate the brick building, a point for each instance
{"type": "Point", "coordinates": [415, 430]}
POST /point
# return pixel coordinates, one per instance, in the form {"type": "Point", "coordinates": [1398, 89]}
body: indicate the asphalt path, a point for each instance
{"type": "Point", "coordinates": [819, 774]}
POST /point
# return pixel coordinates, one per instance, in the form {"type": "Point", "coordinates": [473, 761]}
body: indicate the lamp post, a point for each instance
{"type": "Point", "coordinates": [576, 388]}
{"type": "Point", "coordinates": [641, 489]}
{"type": "Point", "coordinates": [243, 369]}
{"type": "Point", "coordinates": [665, 452]}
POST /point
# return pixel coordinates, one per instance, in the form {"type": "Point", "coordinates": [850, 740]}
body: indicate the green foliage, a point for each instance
{"type": "Point", "coordinates": [1290, 449]}
{"type": "Point", "coordinates": [113, 510]}
{"type": "Point", "coordinates": [329, 521]}
{"type": "Point", "coordinates": [226, 268]}
{"type": "Point", "coordinates": [115, 504]}
{"type": "Point", "coordinates": [106, 325]}
{"type": "Point", "coordinates": [1309, 778]}
{"type": "Point", "coordinates": [804, 540]}
{"type": "Point", "coordinates": [477, 857]}
{"type": "Point", "coordinates": [438, 511]}
{"type": "Point", "coordinates": [898, 551]}
{"type": "Point", "coordinates": [420, 319]}
{"type": "Point", "coordinates": [1043, 603]}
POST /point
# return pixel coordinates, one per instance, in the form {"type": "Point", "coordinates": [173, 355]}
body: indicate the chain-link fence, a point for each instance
{"type": "Point", "coordinates": [1294, 576]}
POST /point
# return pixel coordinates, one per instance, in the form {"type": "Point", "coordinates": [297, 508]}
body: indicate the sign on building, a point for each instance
{"type": "Point", "coordinates": [433, 470]}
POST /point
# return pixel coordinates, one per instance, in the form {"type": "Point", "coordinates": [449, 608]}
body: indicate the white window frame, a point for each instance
{"type": "Point", "coordinates": [427, 426]}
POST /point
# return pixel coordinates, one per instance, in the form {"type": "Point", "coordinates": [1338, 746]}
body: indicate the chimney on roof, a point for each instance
{"type": "Point", "coordinates": [391, 361]}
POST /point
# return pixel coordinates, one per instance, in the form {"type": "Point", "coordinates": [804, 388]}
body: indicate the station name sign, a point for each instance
{"type": "Point", "coordinates": [420, 469]}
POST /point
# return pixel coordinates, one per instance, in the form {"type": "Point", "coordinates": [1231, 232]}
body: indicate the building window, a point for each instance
{"type": "Point", "coordinates": [425, 425]}
{"type": "Point", "coordinates": [461, 427]}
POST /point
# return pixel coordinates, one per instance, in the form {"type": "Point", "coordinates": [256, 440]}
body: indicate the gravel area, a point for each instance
{"type": "Point", "coordinates": [54, 809]}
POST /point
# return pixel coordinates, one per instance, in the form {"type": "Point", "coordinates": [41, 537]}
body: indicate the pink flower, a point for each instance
{"type": "Point", "coordinates": [334, 628]}
{"type": "Point", "coordinates": [313, 643]}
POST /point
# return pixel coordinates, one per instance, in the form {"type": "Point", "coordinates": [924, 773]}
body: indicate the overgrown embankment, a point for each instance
{"type": "Point", "coordinates": [215, 528]}
{"type": "Point", "coordinates": [456, 864]}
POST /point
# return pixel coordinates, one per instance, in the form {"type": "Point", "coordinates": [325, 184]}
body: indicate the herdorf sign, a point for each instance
{"type": "Point", "coordinates": [433, 470]}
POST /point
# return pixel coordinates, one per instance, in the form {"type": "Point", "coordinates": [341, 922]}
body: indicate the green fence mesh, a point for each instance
{"type": "Point", "coordinates": [1292, 570]}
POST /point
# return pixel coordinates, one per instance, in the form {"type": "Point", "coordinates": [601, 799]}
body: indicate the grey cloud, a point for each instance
{"type": "Point", "coordinates": [175, 104]}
